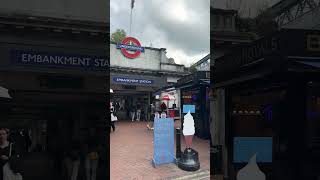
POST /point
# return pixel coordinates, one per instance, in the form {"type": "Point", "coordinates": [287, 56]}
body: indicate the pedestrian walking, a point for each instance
{"type": "Point", "coordinates": [116, 106]}
{"type": "Point", "coordinates": [27, 139]}
{"type": "Point", "coordinates": [163, 107]}
{"type": "Point", "coordinates": [138, 111]}
{"type": "Point", "coordinates": [132, 112]}
{"type": "Point", "coordinates": [72, 160]}
{"type": "Point", "coordinates": [113, 118]}
{"type": "Point", "coordinates": [91, 160]}
{"type": "Point", "coordinates": [146, 112]}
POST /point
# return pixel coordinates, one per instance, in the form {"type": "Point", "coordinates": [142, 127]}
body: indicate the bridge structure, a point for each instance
{"type": "Point", "coordinates": [287, 11]}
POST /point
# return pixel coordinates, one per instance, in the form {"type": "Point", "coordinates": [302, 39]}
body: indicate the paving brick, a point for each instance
{"type": "Point", "coordinates": [131, 152]}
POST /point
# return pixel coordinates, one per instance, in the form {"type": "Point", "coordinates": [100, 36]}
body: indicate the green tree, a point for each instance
{"type": "Point", "coordinates": [118, 36]}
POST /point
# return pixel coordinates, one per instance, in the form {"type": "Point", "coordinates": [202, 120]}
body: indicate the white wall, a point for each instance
{"type": "Point", "coordinates": [150, 59]}
{"type": "Point", "coordinates": [172, 79]}
{"type": "Point", "coordinates": [172, 67]}
{"type": "Point", "coordinates": [89, 10]}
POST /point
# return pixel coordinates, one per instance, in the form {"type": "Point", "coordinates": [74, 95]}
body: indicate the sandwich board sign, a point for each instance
{"type": "Point", "coordinates": [163, 143]}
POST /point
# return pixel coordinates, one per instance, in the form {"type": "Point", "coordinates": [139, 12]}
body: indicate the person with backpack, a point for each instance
{"type": "Point", "coordinates": [163, 107]}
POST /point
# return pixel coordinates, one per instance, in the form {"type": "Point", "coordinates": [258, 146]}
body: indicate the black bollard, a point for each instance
{"type": "Point", "coordinates": [178, 143]}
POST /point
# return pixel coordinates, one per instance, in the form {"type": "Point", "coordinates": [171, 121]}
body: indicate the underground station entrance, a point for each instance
{"type": "Point", "coordinates": [128, 99]}
{"type": "Point", "coordinates": [56, 116]}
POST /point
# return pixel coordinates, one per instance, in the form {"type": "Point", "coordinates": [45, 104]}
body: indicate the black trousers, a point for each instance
{"type": "Point", "coordinates": [113, 126]}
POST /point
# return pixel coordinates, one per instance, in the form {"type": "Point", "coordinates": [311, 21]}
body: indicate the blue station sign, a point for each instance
{"type": "Point", "coordinates": [59, 60]}
{"type": "Point", "coordinates": [125, 80]}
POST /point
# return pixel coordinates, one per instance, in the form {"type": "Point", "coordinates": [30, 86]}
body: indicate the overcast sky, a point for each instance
{"type": "Point", "coordinates": [180, 26]}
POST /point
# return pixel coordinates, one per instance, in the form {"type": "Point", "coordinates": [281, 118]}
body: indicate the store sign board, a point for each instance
{"type": "Point", "coordinates": [125, 80]}
{"type": "Point", "coordinates": [188, 107]}
{"type": "Point", "coordinates": [126, 47]}
{"type": "Point", "coordinates": [313, 42]}
{"type": "Point", "coordinates": [245, 147]}
{"type": "Point", "coordinates": [163, 144]}
{"type": "Point", "coordinates": [58, 60]}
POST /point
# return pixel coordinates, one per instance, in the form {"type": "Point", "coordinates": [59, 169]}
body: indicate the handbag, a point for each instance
{"type": "Point", "coordinates": [93, 155]}
{"type": "Point", "coordinates": [8, 174]}
{"type": "Point", "coordinates": [113, 117]}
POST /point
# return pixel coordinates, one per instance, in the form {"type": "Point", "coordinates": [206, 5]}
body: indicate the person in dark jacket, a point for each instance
{"type": "Point", "coordinates": [138, 111]}
{"type": "Point", "coordinates": [132, 112]}
{"type": "Point", "coordinates": [8, 152]}
{"type": "Point", "coordinates": [163, 107]}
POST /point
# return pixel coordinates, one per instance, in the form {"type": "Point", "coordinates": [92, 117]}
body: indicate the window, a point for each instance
{"type": "Point", "coordinates": [227, 23]}
{"type": "Point", "coordinates": [313, 42]}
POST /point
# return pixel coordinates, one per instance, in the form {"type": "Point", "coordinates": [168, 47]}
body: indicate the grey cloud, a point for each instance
{"type": "Point", "coordinates": [152, 23]}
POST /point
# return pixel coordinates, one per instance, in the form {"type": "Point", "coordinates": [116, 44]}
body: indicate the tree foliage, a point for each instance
{"type": "Point", "coordinates": [118, 36]}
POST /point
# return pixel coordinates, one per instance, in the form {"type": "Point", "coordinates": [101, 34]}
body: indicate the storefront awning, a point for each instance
{"type": "Point", "coordinates": [4, 93]}
{"type": "Point", "coordinates": [309, 63]}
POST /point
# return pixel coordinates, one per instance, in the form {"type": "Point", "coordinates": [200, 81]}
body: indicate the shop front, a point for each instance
{"type": "Point", "coordinates": [270, 102]}
{"type": "Point", "coordinates": [194, 90]}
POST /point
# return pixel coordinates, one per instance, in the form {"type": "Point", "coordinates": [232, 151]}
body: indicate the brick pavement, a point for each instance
{"type": "Point", "coordinates": [131, 152]}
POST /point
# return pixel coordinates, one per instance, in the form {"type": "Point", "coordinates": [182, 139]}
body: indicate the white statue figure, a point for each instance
{"type": "Point", "coordinates": [188, 129]}
{"type": "Point", "coordinates": [251, 171]}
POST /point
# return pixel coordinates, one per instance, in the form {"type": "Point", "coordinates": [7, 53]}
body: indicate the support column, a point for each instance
{"type": "Point", "coordinates": [217, 129]}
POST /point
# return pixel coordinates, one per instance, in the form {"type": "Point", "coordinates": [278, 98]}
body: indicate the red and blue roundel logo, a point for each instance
{"type": "Point", "coordinates": [126, 47]}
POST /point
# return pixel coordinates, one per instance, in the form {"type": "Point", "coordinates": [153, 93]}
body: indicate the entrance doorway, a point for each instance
{"type": "Point", "coordinates": [128, 100]}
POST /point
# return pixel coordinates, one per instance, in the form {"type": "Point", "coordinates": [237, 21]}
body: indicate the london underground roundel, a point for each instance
{"type": "Point", "coordinates": [130, 50]}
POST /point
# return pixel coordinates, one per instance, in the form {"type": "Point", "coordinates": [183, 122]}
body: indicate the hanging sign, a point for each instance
{"type": "Point", "coordinates": [245, 147]}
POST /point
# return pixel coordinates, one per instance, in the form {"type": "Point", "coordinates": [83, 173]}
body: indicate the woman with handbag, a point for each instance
{"type": "Point", "coordinates": [113, 118]}
{"type": "Point", "coordinates": [7, 154]}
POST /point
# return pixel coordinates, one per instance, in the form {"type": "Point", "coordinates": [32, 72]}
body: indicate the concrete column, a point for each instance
{"type": "Point", "coordinates": [217, 126]}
